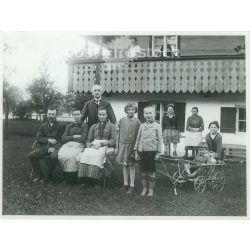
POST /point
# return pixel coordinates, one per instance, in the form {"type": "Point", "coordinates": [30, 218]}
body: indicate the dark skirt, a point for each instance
{"type": "Point", "coordinates": [94, 172]}
{"type": "Point", "coordinates": [171, 136]}
{"type": "Point", "coordinates": [147, 161]}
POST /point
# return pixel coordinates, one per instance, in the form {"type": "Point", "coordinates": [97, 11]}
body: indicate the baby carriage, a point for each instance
{"type": "Point", "coordinates": [202, 174]}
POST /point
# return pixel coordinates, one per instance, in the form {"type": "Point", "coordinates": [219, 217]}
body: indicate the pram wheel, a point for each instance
{"type": "Point", "coordinates": [218, 181]}
{"type": "Point", "coordinates": [200, 184]}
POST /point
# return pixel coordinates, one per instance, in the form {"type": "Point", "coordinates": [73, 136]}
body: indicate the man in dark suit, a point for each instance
{"type": "Point", "coordinates": [90, 108]}
{"type": "Point", "coordinates": [48, 142]}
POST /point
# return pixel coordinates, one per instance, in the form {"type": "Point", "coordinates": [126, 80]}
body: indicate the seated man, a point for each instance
{"type": "Point", "coordinates": [48, 140]}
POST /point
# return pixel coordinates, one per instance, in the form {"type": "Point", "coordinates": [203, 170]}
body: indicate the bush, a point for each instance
{"type": "Point", "coordinates": [25, 127]}
{"type": "Point", "coordinates": [23, 110]}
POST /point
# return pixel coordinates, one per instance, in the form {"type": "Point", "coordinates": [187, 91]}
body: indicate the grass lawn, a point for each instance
{"type": "Point", "coordinates": [22, 197]}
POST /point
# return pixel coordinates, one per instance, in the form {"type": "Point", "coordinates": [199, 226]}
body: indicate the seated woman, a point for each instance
{"type": "Point", "coordinates": [74, 139]}
{"type": "Point", "coordinates": [100, 147]}
{"type": "Point", "coordinates": [214, 139]}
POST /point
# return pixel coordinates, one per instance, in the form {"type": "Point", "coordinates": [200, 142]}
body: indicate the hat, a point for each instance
{"type": "Point", "coordinates": [202, 145]}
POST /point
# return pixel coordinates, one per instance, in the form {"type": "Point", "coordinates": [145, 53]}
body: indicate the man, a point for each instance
{"type": "Point", "coordinates": [90, 108]}
{"type": "Point", "coordinates": [134, 49]}
{"type": "Point", "coordinates": [48, 142]}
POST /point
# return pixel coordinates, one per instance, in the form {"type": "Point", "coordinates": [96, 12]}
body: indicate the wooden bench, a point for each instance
{"type": "Point", "coordinates": [234, 150]}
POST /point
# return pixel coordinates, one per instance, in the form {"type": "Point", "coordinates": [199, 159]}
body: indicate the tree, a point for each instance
{"type": "Point", "coordinates": [11, 94]}
{"type": "Point", "coordinates": [23, 110]}
{"type": "Point", "coordinates": [11, 98]}
{"type": "Point", "coordinates": [43, 94]}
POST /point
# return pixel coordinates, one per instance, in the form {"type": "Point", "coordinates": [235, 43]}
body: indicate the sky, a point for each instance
{"type": "Point", "coordinates": [28, 50]}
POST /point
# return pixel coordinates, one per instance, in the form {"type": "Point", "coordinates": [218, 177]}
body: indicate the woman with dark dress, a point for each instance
{"type": "Point", "coordinates": [214, 139]}
{"type": "Point", "coordinates": [74, 139]}
{"type": "Point", "coordinates": [98, 158]}
{"type": "Point", "coordinates": [170, 128]}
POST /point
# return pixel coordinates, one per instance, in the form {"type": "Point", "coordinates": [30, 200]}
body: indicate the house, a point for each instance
{"type": "Point", "coordinates": [207, 72]}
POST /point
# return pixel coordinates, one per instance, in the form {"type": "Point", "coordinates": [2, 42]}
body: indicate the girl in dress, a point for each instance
{"type": "Point", "coordinates": [128, 128]}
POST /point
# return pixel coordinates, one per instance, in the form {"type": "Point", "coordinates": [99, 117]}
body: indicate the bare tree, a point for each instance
{"type": "Point", "coordinates": [11, 94]}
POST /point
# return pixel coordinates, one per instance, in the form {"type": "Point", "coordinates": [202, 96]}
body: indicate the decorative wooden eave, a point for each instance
{"type": "Point", "coordinates": [199, 74]}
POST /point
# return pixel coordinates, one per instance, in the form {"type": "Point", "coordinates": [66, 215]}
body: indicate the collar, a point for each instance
{"type": "Point", "coordinates": [51, 123]}
{"type": "Point", "coordinates": [97, 100]}
{"type": "Point", "coordinates": [102, 123]}
{"type": "Point", "coordinates": [150, 122]}
{"type": "Point", "coordinates": [76, 124]}
{"type": "Point", "coordinates": [130, 118]}
{"type": "Point", "coordinates": [213, 135]}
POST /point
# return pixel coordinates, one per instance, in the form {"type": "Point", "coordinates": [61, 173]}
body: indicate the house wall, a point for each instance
{"type": "Point", "coordinates": [209, 109]}
{"type": "Point", "coordinates": [190, 45]}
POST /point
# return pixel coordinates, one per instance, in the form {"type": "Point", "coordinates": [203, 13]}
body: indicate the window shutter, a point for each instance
{"type": "Point", "coordinates": [228, 120]}
{"type": "Point", "coordinates": [180, 111]}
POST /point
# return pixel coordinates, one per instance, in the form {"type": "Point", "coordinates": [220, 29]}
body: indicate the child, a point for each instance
{"type": "Point", "coordinates": [214, 139]}
{"type": "Point", "coordinates": [203, 157]}
{"type": "Point", "coordinates": [128, 128]}
{"type": "Point", "coordinates": [147, 149]}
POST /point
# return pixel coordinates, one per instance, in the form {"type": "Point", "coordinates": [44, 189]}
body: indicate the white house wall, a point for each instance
{"type": "Point", "coordinates": [209, 109]}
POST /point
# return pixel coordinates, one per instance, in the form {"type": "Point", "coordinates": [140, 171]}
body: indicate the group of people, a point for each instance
{"type": "Point", "coordinates": [88, 151]}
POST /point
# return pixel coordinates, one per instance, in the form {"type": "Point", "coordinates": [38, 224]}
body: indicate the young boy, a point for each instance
{"type": "Point", "coordinates": [147, 149]}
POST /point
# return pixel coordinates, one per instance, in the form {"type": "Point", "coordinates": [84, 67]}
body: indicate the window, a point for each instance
{"type": "Point", "coordinates": [233, 119]}
{"type": "Point", "coordinates": [228, 120]}
{"type": "Point", "coordinates": [165, 46]}
{"type": "Point", "coordinates": [242, 119]}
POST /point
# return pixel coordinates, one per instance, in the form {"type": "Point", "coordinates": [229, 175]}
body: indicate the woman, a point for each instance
{"type": "Point", "coordinates": [214, 139]}
{"type": "Point", "coordinates": [170, 130]}
{"type": "Point", "coordinates": [74, 139]}
{"type": "Point", "coordinates": [100, 148]}
{"type": "Point", "coordinates": [194, 127]}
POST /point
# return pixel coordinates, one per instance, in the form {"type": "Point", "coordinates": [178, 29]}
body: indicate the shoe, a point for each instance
{"type": "Point", "coordinates": [124, 188]}
{"type": "Point", "coordinates": [130, 190]}
{"type": "Point", "coordinates": [174, 153]}
{"type": "Point", "coordinates": [36, 179]}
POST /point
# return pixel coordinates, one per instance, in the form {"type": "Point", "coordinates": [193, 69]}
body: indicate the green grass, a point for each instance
{"type": "Point", "coordinates": [22, 197]}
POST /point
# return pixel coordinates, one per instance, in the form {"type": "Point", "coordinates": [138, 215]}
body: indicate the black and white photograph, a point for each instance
{"type": "Point", "coordinates": [124, 124]}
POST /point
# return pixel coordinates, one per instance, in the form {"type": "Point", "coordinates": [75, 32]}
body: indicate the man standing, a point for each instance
{"type": "Point", "coordinates": [90, 108]}
{"type": "Point", "coordinates": [48, 142]}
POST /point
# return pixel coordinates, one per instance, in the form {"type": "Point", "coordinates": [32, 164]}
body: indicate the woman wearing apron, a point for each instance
{"type": "Point", "coordinates": [194, 128]}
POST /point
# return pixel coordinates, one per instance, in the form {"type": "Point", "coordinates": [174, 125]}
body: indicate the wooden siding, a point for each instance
{"type": "Point", "coordinates": [200, 75]}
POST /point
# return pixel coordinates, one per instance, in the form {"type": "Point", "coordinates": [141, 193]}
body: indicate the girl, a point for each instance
{"type": "Point", "coordinates": [148, 148]}
{"type": "Point", "coordinates": [170, 129]}
{"type": "Point", "coordinates": [128, 128]}
{"type": "Point", "coordinates": [214, 139]}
